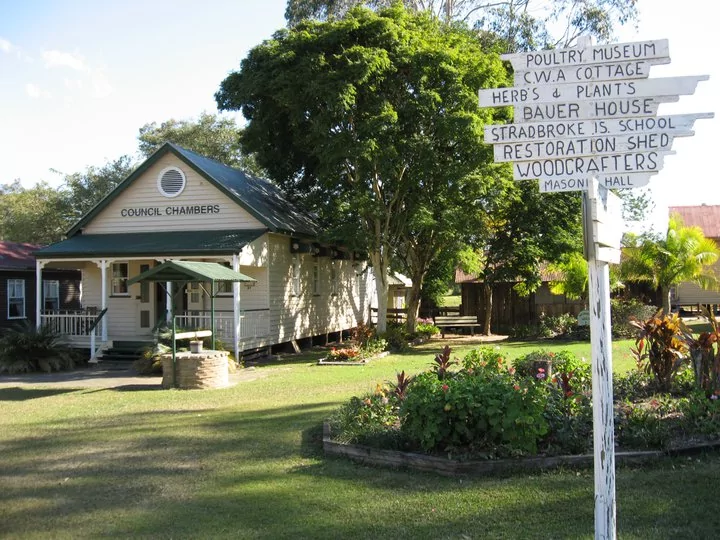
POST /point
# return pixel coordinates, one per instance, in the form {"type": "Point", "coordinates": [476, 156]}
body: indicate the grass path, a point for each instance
{"type": "Point", "coordinates": [246, 462]}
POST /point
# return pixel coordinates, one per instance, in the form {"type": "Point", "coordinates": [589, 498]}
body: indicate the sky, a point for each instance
{"type": "Point", "coordinates": [79, 78]}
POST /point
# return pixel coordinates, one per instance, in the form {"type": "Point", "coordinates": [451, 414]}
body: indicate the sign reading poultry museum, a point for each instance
{"type": "Point", "coordinates": [589, 112]}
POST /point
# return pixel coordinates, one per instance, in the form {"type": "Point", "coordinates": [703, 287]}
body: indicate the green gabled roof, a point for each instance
{"type": "Point", "coordinates": [153, 244]}
{"type": "Point", "coordinates": [190, 271]}
{"type": "Point", "coordinates": [262, 199]}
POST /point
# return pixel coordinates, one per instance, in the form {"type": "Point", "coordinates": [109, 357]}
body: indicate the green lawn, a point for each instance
{"type": "Point", "coordinates": [246, 462]}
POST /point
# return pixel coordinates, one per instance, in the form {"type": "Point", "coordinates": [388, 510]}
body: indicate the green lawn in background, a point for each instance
{"type": "Point", "coordinates": [246, 462]}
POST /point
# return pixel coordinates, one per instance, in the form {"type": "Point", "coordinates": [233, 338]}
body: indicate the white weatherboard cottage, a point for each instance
{"type": "Point", "coordinates": [179, 205]}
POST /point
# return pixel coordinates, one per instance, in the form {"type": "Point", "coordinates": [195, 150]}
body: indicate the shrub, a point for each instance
{"type": "Point", "coordinates": [484, 360]}
{"type": "Point", "coordinates": [570, 421]}
{"type": "Point", "coordinates": [556, 325]}
{"type": "Point", "coordinates": [373, 347]}
{"type": "Point", "coordinates": [370, 419]}
{"type": "Point", "coordinates": [638, 425]}
{"type": "Point", "coordinates": [705, 356]}
{"type": "Point", "coordinates": [529, 365]}
{"type": "Point", "coordinates": [467, 412]}
{"type": "Point", "coordinates": [623, 311]}
{"type": "Point", "coordinates": [397, 337]}
{"type": "Point", "coordinates": [362, 334]}
{"type": "Point", "coordinates": [660, 346]}
{"type": "Point", "coordinates": [345, 354]}
{"type": "Point", "coordinates": [150, 361]}
{"type": "Point", "coordinates": [426, 329]}
{"type": "Point", "coordinates": [25, 349]}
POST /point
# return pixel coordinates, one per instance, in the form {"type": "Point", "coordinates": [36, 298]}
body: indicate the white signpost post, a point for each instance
{"type": "Point", "coordinates": [586, 120]}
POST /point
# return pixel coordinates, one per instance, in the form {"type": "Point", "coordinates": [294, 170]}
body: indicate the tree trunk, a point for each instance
{"type": "Point", "coordinates": [666, 301]}
{"type": "Point", "coordinates": [488, 304]}
{"type": "Point", "coordinates": [381, 283]}
{"type": "Point", "coordinates": [413, 306]}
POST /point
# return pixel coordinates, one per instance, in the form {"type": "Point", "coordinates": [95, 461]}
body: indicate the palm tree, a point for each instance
{"type": "Point", "coordinates": [684, 255]}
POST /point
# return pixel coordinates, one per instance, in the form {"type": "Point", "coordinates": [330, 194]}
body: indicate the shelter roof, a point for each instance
{"type": "Point", "coordinates": [17, 255]}
{"type": "Point", "coordinates": [166, 244]}
{"type": "Point", "coordinates": [705, 216]}
{"type": "Point", "coordinates": [264, 200]}
{"type": "Point", "coordinates": [190, 271]}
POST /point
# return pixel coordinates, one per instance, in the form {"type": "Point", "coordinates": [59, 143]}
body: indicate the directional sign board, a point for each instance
{"type": "Point", "coordinates": [582, 183]}
{"type": "Point", "coordinates": [679, 125]}
{"type": "Point", "coordinates": [657, 51]}
{"type": "Point", "coordinates": [668, 86]}
{"type": "Point", "coordinates": [586, 119]}
{"type": "Point", "coordinates": [587, 146]}
{"type": "Point", "coordinates": [579, 110]}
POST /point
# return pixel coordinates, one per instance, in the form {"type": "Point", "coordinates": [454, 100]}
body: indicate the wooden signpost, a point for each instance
{"type": "Point", "coordinates": [586, 120]}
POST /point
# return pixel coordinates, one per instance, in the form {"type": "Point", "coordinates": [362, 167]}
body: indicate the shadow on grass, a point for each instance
{"type": "Point", "coordinates": [17, 393]}
{"type": "Point", "coordinates": [260, 473]}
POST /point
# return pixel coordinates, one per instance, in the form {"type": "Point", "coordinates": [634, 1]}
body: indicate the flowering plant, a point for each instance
{"type": "Point", "coordinates": [341, 355]}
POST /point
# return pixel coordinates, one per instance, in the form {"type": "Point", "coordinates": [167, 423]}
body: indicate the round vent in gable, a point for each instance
{"type": "Point", "coordinates": [171, 182]}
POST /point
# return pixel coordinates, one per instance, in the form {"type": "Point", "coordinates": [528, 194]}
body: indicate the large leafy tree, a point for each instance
{"type": "Point", "coordinates": [372, 121]}
{"type": "Point", "coordinates": [524, 228]}
{"type": "Point", "coordinates": [36, 215]}
{"type": "Point", "coordinates": [209, 135]}
{"type": "Point", "coordinates": [521, 24]}
{"type": "Point", "coordinates": [684, 255]}
{"type": "Point", "coordinates": [83, 190]}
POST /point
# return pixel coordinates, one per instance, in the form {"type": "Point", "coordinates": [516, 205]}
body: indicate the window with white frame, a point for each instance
{"type": "Point", "coordinates": [316, 276]}
{"type": "Point", "coordinates": [51, 294]}
{"type": "Point", "coordinates": [16, 298]}
{"type": "Point", "coordinates": [296, 275]}
{"type": "Point", "coordinates": [333, 278]}
{"type": "Point", "coordinates": [119, 279]}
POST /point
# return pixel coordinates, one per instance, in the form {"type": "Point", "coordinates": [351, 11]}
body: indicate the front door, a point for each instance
{"type": "Point", "coordinates": [146, 305]}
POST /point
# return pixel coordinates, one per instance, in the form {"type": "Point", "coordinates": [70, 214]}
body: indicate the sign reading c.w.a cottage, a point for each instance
{"type": "Point", "coordinates": [185, 210]}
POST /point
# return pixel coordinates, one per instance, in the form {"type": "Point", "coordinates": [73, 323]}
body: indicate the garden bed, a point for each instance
{"type": "Point", "coordinates": [453, 467]}
{"type": "Point", "coordinates": [328, 361]}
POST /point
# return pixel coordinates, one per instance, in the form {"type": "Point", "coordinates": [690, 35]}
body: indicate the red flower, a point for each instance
{"type": "Point", "coordinates": [445, 388]}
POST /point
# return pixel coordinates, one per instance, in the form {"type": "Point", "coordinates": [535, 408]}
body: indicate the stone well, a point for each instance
{"type": "Point", "coordinates": [206, 369]}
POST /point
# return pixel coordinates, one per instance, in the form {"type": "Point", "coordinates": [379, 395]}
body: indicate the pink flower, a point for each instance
{"type": "Point", "coordinates": [445, 388]}
{"type": "Point", "coordinates": [511, 370]}
{"type": "Point", "coordinates": [540, 375]}
{"type": "Point", "coordinates": [516, 387]}
{"type": "Point", "coordinates": [714, 396]}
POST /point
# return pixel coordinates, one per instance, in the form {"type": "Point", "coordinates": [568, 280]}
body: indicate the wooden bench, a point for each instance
{"type": "Point", "coordinates": [457, 321]}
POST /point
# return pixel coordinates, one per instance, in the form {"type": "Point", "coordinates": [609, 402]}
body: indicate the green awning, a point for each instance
{"type": "Point", "coordinates": [190, 271]}
{"type": "Point", "coordinates": [151, 244]}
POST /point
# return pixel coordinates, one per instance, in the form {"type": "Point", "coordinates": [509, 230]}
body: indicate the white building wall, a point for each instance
{"type": "Point", "coordinates": [144, 194]}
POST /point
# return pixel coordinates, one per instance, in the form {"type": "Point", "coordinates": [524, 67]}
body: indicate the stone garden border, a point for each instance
{"type": "Point", "coordinates": [446, 467]}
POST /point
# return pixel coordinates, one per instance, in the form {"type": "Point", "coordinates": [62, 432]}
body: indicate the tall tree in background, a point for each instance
{"type": "Point", "coordinates": [368, 120]}
{"type": "Point", "coordinates": [521, 24]}
{"type": "Point", "coordinates": [524, 228]}
{"type": "Point", "coordinates": [683, 255]}
{"type": "Point", "coordinates": [210, 135]}
{"type": "Point", "coordinates": [36, 215]}
{"type": "Point", "coordinates": [85, 189]}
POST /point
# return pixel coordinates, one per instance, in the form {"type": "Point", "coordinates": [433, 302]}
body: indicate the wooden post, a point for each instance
{"type": "Point", "coordinates": [602, 393]}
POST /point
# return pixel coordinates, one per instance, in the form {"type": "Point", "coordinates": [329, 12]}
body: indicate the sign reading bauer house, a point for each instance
{"type": "Point", "coordinates": [589, 112]}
